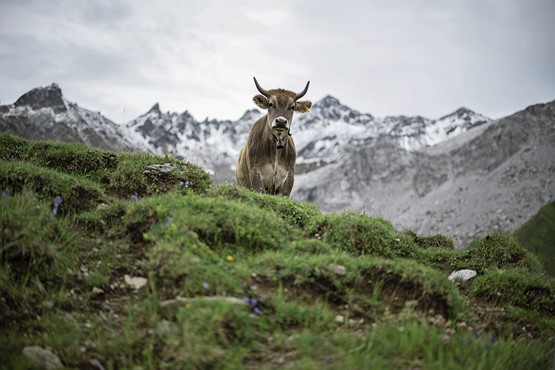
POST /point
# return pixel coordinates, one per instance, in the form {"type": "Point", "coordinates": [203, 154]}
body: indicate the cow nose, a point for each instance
{"type": "Point", "coordinates": [281, 122]}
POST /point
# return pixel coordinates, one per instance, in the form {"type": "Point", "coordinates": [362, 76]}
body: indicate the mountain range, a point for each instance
{"type": "Point", "coordinates": [462, 174]}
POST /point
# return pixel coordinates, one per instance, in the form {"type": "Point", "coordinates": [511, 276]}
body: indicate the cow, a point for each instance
{"type": "Point", "coordinates": [267, 161]}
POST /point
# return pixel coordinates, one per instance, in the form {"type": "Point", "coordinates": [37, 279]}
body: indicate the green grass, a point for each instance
{"type": "Point", "coordinates": [538, 236]}
{"type": "Point", "coordinates": [241, 280]}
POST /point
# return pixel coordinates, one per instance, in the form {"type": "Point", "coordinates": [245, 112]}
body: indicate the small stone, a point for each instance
{"type": "Point", "coordinates": [463, 275]}
{"type": "Point", "coordinates": [340, 319]}
{"type": "Point", "coordinates": [97, 291]}
{"type": "Point", "coordinates": [339, 270]}
{"type": "Point", "coordinates": [135, 282]}
{"type": "Point", "coordinates": [94, 362]}
{"type": "Point", "coordinates": [42, 358]}
{"type": "Point", "coordinates": [101, 206]}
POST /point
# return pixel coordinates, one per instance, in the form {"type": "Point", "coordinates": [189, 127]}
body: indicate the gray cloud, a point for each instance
{"type": "Point", "coordinates": [383, 57]}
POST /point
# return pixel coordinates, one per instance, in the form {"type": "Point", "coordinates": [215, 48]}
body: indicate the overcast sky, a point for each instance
{"type": "Point", "coordinates": [385, 57]}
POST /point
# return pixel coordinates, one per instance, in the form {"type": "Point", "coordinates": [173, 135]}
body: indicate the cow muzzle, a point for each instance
{"type": "Point", "coordinates": [280, 124]}
{"type": "Point", "coordinates": [280, 130]}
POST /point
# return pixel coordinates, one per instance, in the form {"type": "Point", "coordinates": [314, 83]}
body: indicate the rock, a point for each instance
{"type": "Point", "coordinates": [42, 358]}
{"type": "Point", "coordinates": [157, 168]}
{"type": "Point", "coordinates": [339, 269]}
{"type": "Point", "coordinates": [94, 362]}
{"type": "Point", "coordinates": [340, 319]}
{"type": "Point", "coordinates": [135, 282]}
{"type": "Point", "coordinates": [463, 275]}
{"type": "Point", "coordinates": [97, 291]}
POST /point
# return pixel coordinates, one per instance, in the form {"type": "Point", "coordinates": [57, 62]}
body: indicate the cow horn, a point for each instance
{"type": "Point", "coordinates": [262, 91]}
{"type": "Point", "coordinates": [302, 93]}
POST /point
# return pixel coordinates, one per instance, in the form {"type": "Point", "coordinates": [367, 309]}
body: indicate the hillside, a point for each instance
{"type": "Point", "coordinates": [538, 235]}
{"type": "Point", "coordinates": [129, 260]}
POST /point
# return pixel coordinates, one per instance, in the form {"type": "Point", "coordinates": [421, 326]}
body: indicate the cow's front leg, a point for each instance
{"type": "Point", "coordinates": [256, 181]}
{"type": "Point", "coordinates": [287, 185]}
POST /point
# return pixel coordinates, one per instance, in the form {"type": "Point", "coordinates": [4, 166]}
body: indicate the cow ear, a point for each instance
{"type": "Point", "coordinates": [303, 106]}
{"type": "Point", "coordinates": [261, 101]}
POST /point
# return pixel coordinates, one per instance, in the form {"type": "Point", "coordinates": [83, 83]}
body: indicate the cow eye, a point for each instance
{"type": "Point", "coordinates": [292, 107]}
{"type": "Point", "coordinates": [271, 105]}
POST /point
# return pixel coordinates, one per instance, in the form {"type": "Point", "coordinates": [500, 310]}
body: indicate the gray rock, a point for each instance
{"type": "Point", "coordinates": [160, 168]}
{"type": "Point", "coordinates": [463, 275]}
{"type": "Point", "coordinates": [339, 269]}
{"type": "Point", "coordinates": [43, 358]}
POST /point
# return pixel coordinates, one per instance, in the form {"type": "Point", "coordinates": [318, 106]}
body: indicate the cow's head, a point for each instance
{"type": "Point", "coordinates": [280, 105]}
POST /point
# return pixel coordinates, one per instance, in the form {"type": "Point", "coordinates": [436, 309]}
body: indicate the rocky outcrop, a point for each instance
{"type": "Point", "coordinates": [493, 177]}
{"type": "Point", "coordinates": [43, 113]}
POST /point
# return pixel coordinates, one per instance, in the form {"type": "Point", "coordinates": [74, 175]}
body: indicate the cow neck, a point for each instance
{"type": "Point", "coordinates": [280, 143]}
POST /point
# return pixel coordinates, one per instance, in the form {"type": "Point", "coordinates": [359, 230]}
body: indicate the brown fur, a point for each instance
{"type": "Point", "coordinates": [261, 166]}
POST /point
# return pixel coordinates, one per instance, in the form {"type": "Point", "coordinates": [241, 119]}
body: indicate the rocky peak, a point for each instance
{"type": "Point", "coordinates": [250, 115]}
{"type": "Point", "coordinates": [155, 109]}
{"type": "Point", "coordinates": [43, 97]}
{"type": "Point", "coordinates": [328, 101]}
{"type": "Point", "coordinates": [462, 112]}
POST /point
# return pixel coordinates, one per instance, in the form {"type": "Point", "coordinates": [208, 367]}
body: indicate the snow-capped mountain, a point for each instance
{"type": "Point", "coordinates": [43, 113]}
{"type": "Point", "coordinates": [212, 144]}
{"type": "Point", "coordinates": [321, 136]}
{"type": "Point", "coordinates": [492, 177]}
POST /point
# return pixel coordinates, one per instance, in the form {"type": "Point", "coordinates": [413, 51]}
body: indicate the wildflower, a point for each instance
{"type": "Point", "coordinates": [205, 285]}
{"type": "Point", "coordinates": [134, 197]}
{"type": "Point", "coordinates": [57, 202]}
{"type": "Point", "coordinates": [181, 183]}
{"type": "Point", "coordinates": [253, 302]}
{"type": "Point", "coordinates": [229, 258]}
{"type": "Point", "coordinates": [328, 359]}
{"type": "Point", "coordinates": [246, 299]}
{"type": "Point", "coordinates": [493, 340]}
{"type": "Point", "coordinates": [4, 196]}
{"type": "Point", "coordinates": [446, 338]}
{"type": "Point", "coordinates": [477, 334]}
{"type": "Point", "coordinates": [169, 221]}
{"type": "Point", "coordinates": [257, 311]}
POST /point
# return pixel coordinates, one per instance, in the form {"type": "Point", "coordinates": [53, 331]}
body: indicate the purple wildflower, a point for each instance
{"type": "Point", "coordinates": [257, 311]}
{"type": "Point", "coordinates": [205, 285]}
{"type": "Point", "coordinates": [181, 183]}
{"type": "Point", "coordinates": [246, 299]}
{"type": "Point", "coordinates": [169, 221]}
{"type": "Point", "coordinates": [477, 334]}
{"type": "Point", "coordinates": [4, 195]}
{"type": "Point", "coordinates": [328, 360]}
{"type": "Point", "coordinates": [57, 202]}
{"type": "Point", "coordinates": [253, 301]}
{"type": "Point", "coordinates": [134, 197]}
{"type": "Point", "coordinates": [493, 340]}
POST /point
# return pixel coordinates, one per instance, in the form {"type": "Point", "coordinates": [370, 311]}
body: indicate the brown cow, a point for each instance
{"type": "Point", "coordinates": [267, 161]}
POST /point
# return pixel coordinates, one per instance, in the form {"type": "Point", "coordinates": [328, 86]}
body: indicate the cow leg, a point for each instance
{"type": "Point", "coordinates": [256, 182]}
{"type": "Point", "coordinates": [287, 185]}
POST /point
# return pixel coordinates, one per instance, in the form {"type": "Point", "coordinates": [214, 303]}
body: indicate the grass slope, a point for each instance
{"type": "Point", "coordinates": [240, 280]}
{"type": "Point", "coordinates": [538, 235]}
